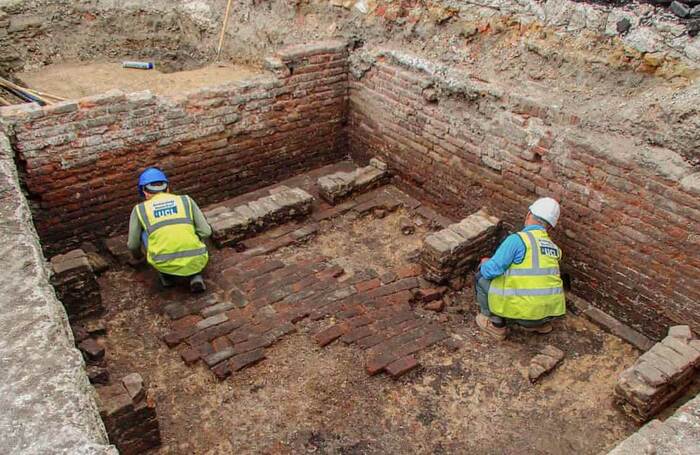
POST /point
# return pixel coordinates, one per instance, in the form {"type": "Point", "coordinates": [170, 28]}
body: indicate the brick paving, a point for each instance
{"type": "Point", "coordinates": [262, 299]}
{"type": "Point", "coordinates": [266, 298]}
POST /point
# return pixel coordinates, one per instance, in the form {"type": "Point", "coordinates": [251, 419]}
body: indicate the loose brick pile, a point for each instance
{"type": "Point", "coordinates": [265, 298]}
{"type": "Point", "coordinates": [456, 250]}
{"type": "Point", "coordinates": [232, 224]}
{"type": "Point", "coordinates": [81, 158]}
{"type": "Point", "coordinates": [630, 221]}
{"type": "Point", "coordinates": [129, 415]}
{"type": "Point", "coordinates": [660, 375]}
{"type": "Point", "coordinates": [338, 186]}
{"type": "Point", "coordinates": [76, 285]}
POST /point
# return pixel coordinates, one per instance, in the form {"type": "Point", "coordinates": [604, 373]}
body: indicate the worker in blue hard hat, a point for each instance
{"type": "Point", "coordinates": [169, 229]}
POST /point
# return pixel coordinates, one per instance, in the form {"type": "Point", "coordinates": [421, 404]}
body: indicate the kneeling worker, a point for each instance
{"type": "Point", "coordinates": [169, 228]}
{"type": "Point", "coordinates": [521, 284]}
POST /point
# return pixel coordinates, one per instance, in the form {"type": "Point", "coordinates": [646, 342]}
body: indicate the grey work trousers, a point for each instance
{"type": "Point", "coordinates": [481, 289]}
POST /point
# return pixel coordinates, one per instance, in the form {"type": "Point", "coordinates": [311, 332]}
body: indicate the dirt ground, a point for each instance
{"type": "Point", "coordinates": [306, 399]}
{"type": "Point", "coordinates": [75, 80]}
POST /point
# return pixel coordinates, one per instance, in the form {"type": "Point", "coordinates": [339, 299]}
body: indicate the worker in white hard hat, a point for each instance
{"type": "Point", "coordinates": [520, 285]}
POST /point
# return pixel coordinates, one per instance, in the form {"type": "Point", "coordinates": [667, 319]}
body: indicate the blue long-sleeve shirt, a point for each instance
{"type": "Point", "coordinates": [511, 251]}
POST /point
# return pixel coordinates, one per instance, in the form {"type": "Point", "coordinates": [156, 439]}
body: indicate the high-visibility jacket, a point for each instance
{"type": "Point", "coordinates": [173, 246]}
{"type": "Point", "coordinates": [533, 289]}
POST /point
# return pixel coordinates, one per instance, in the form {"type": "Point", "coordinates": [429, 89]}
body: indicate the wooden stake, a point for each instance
{"type": "Point", "coordinates": [45, 95]}
{"type": "Point", "coordinates": [4, 82]}
{"type": "Point", "coordinates": [223, 29]}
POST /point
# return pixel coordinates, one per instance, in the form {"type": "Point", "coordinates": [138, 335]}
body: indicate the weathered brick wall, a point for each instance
{"type": "Point", "coordinates": [630, 226]}
{"type": "Point", "coordinates": [81, 159]}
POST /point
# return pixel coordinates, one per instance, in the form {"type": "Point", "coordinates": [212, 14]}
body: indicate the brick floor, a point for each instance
{"type": "Point", "coordinates": [263, 299]}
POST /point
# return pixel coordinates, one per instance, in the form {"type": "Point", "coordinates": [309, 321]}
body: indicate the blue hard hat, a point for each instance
{"type": "Point", "coordinates": [151, 175]}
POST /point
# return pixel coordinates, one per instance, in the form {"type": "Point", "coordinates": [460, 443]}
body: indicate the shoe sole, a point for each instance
{"type": "Point", "coordinates": [497, 336]}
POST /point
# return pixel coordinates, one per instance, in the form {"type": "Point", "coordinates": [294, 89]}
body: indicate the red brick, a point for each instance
{"type": "Point", "coordinates": [185, 322]}
{"type": "Point", "coordinates": [430, 294]}
{"type": "Point", "coordinates": [247, 359]}
{"type": "Point", "coordinates": [356, 334]}
{"type": "Point", "coordinates": [377, 363]}
{"type": "Point", "coordinates": [402, 366]}
{"type": "Point", "coordinates": [408, 271]}
{"type": "Point", "coordinates": [399, 298]}
{"type": "Point", "coordinates": [368, 285]}
{"type": "Point", "coordinates": [176, 337]}
{"type": "Point", "coordinates": [437, 306]}
{"type": "Point", "coordinates": [330, 334]}
{"type": "Point", "coordinates": [222, 370]}
{"type": "Point", "coordinates": [190, 355]}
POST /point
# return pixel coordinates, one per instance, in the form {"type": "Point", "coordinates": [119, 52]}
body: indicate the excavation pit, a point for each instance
{"type": "Point", "coordinates": [306, 397]}
{"type": "Point", "coordinates": [454, 144]}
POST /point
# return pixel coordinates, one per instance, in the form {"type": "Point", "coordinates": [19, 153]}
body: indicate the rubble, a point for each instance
{"type": "Point", "coordinates": [455, 250]}
{"type": "Point", "coordinates": [76, 285]}
{"type": "Point", "coordinates": [336, 187]}
{"type": "Point", "coordinates": [660, 375]}
{"type": "Point", "coordinates": [233, 224]}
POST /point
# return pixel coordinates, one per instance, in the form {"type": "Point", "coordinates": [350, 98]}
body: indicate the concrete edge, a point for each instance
{"type": "Point", "coordinates": [48, 405]}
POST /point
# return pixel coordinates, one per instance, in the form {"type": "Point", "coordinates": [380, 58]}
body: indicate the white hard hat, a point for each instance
{"type": "Point", "coordinates": [547, 209]}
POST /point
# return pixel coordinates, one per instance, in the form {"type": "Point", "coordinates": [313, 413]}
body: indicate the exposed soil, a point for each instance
{"type": "Point", "coordinates": [75, 80]}
{"type": "Point", "coordinates": [305, 399]}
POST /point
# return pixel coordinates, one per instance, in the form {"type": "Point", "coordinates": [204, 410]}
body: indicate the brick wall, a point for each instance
{"type": "Point", "coordinates": [81, 160]}
{"type": "Point", "coordinates": [630, 226]}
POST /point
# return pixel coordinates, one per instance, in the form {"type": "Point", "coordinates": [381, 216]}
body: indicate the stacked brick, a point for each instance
{"type": "Point", "coordinates": [628, 211]}
{"type": "Point", "coordinates": [456, 250]}
{"type": "Point", "coordinates": [76, 285]}
{"type": "Point", "coordinates": [677, 434]}
{"type": "Point", "coordinates": [338, 186]}
{"type": "Point", "coordinates": [660, 375]}
{"type": "Point", "coordinates": [81, 158]}
{"type": "Point", "coordinates": [232, 224]}
{"type": "Point", "coordinates": [129, 415]}
{"type": "Point", "coordinates": [87, 337]}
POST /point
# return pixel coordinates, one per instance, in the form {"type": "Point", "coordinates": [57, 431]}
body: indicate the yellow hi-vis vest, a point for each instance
{"type": "Point", "coordinates": [173, 245]}
{"type": "Point", "coordinates": [533, 289]}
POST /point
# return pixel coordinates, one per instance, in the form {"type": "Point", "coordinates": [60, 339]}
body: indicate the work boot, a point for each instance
{"type": "Point", "coordinates": [165, 280]}
{"type": "Point", "coordinates": [486, 325]}
{"type": "Point", "coordinates": [541, 329]}
{"type": "Point", "coordinates": [197, 284]}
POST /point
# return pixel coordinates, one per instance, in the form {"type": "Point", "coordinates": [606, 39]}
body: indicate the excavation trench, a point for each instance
{"type": "Point", "coordinates": [453, 145]}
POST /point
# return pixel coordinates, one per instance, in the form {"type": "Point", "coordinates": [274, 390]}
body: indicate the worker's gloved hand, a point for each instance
{"type": "Point", "coordinates": [484, 260]}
